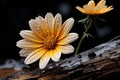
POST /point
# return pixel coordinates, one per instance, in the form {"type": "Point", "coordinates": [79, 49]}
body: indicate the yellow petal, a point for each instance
{"type": "Point", "coordinates": [34, 56]}
{"type": "Point", "coordinates": [100, 6]}
{"type": "Point", "coordinates": [27, 34]}
{"type": "Point", "coordinates": [81, 9]}
{"type": "Point", "coordinates": [104, 10]}
{"type": "Point", "coordinates": [55, 54]}
{"type": "Point", "coordinates": [97, 9]}
{"type": "Point", "coordinates": [27, 45]}
{"type": "Point", "coordinates": [25, 52]}
{"type": "Point", "coordinates": [91, 4]}
{"type": "Point", "coordinates": [67, 49]}
{"type": "Point", "coordinates": [44, 61]}
{"type": "Point", "coordinates": [102, 2]}
{"type": "Point", "coordinates": [49, 19]}
{"type": "Point", "coordinates": [35, 24]}
{"type": "Point", "coordinates": [57, 26]}
{"type": "Point", "coordinates": [37, 27]}
{"type": "Point", "coordinates": [68, 39]}
{"type": "Point", "coordinates": [88, 9]}
{"type": "Point", "coordinates": [31, 58]}
{"type": "Point", "coordinates": [58, 20]}
{"type": "Point", "coordinates": [66, 27]}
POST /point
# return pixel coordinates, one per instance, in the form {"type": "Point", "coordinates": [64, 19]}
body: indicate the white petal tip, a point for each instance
{"type": "Point", "coordinates": [26, 62]}
{"type": "Point", "coordinates": [42, 66]}
{"type": "Point", "coordinates": [77, 36]}
{"type": "Point", "coordinates": [18, 43]}
{"type": "Point", "coordinates": [72, 19]}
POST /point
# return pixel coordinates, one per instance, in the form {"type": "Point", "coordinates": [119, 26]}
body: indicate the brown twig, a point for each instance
{"type": "Point", "coordinates": [94, 64]}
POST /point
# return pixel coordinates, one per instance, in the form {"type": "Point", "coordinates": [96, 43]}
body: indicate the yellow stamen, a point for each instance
{"type": "Point", "coordinates": [50, 42]}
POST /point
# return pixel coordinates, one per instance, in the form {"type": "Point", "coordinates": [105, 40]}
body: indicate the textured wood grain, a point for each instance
{"type": "Point", "coordinates": [94, 64]}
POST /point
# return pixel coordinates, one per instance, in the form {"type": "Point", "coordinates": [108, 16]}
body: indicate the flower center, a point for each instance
{"type": "Point", "coordinates": [50, 42]}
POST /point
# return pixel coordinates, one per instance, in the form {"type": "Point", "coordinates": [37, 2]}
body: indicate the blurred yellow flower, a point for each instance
{"type": "Point", "coordinates": [48, 38]}
{"type": "Point", "coordinates": [92, 9]}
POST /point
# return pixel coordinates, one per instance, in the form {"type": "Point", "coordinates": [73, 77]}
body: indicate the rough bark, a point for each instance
{"type": "Point", "coordinates": [97, 63]}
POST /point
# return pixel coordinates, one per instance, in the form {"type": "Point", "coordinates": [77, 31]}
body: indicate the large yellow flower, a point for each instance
{"type": "Point", "coordinates": [92, 9]}
{"type": "Point", "coordinates": [48, 38]}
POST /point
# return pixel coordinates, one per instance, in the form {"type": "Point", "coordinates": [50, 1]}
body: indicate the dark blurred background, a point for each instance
{"type": "Point", "coordinates": [15, 14]}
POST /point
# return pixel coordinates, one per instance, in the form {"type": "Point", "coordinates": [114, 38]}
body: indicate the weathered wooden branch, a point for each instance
{"type": "Point", "coordinates": [96, 63]}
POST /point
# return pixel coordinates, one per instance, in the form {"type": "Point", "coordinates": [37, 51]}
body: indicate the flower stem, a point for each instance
{"type": "Point", "coordinates": [84, 33]}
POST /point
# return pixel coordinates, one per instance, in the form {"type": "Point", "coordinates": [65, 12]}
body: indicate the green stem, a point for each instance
{"type": "Point", "coordinates": [83, 36]}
